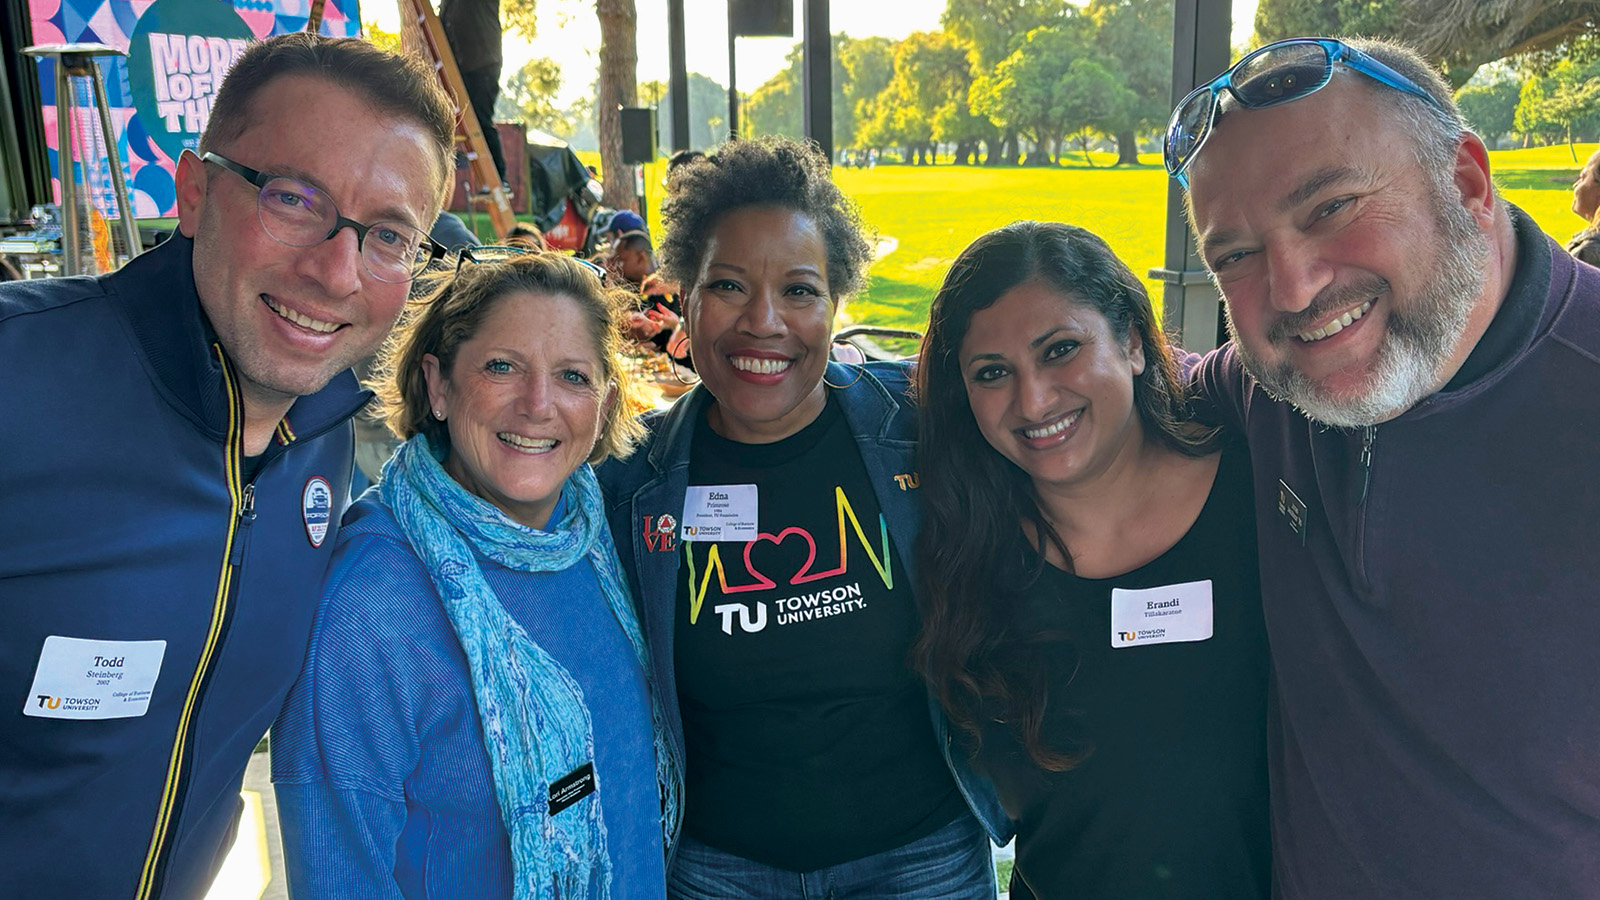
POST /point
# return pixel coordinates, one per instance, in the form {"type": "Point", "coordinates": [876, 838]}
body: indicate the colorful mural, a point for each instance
{"type": "Point", "coordinates": [160, 94]}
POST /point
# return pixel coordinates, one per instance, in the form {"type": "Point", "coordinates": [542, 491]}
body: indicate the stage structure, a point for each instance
{"type": "Point", "coordinates": [159, 95]}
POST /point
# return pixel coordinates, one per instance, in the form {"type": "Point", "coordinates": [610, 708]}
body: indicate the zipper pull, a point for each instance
{"type": "Point", "coordinates": [241, 532]}
{"type": "Point", "coordinates": [1369, 436]}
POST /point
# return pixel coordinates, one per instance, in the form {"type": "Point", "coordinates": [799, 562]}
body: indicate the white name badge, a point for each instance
{"type": "Point", "coordinates": [1161, 615]}
{"type": "Point", "coordinates": [83, 679]}
{"type": "Point", "coordinates": [719, 512]}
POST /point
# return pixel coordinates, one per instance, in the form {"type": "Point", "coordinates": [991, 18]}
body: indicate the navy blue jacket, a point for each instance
{"type": "Point", "coordinates": [124, 517]}
{"type": "Point", "coordinates": [653, 480]}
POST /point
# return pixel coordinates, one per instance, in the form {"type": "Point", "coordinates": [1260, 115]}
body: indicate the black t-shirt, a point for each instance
{"type": "Point", "coordinates": [1171, 801]}
{"type": "Point", "coordinates": [808, 736]}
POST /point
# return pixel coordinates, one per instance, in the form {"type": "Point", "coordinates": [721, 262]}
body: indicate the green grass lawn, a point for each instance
{"type": "Point", "coordinates": [933, 212]}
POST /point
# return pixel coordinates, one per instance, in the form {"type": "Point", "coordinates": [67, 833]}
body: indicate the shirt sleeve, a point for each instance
{"type": "Point", "coordinates": [349, 734]}
{"type": "Point", "coordinates": [1218, 388]}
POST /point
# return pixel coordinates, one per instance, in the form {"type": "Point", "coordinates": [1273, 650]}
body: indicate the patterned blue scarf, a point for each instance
{"type": "Point", "coordinates": [536, 725]}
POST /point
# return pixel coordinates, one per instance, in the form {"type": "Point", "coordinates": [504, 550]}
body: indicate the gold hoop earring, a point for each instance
{"type": "Point", "coordinates": [860, 371]}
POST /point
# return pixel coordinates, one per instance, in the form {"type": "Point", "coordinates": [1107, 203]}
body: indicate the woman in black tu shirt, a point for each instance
{"type": "Point", "coordinates": [1092, 617]}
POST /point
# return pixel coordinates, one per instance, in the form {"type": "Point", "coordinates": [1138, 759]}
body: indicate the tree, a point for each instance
{"type": "Point", "coordinates": [619, 63]}
{"type": "Point", "coordinates": [529, 97]}
{"type": "Point", "coordinates": [1024, 92]}
{"type": "Point", "coordinates": [708, 113]}
{"type": "Point", "coordinates": [776, 107]}
{"type": "Point", "coordinates": [518, 16]}
{"type": "Point", "coordinates": [925, 98]}
{"type": "Point", "coordinates": [1134, 40]}
{"type": "Point", "coordinates": [1562, 103]}
{"type": "Point", "coordinates": [1490, 107]}
{"type": "Point", "coordinates": [995, 28]}
{"type": "Point", "coordinates": [1091, 100]}
{"type": "Point", "coordinates": [1458, 35]}
{"type": "Point", "coordinates": [865, 67]}
{"type": "Point", "coordinates": [992, 30]}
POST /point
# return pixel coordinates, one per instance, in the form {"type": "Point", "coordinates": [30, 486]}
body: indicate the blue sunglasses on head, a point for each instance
{"type": "Point", "coordinates": [1274, 74]}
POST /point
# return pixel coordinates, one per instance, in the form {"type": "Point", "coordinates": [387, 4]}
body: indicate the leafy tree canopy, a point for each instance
{"type": "Point", "coordinates": [1458, 35]}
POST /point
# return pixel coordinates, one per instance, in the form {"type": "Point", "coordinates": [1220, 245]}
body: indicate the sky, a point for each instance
{"type": "Point", "coordinates": [569, 33]}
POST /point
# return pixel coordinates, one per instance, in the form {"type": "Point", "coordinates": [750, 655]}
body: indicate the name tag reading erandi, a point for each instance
{"type": "Point", "coordinates": [719, 512]}
{"type": "Point", "coordinates": [1161, 615]}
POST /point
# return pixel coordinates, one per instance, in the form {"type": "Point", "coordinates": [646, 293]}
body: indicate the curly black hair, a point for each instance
{"type": "Point", "coordinates": [763, 171]}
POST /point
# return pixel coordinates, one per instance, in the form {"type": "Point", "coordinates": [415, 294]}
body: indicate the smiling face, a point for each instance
{"type": "Point", "coordinates": [1349, 274]}
{"type": "Point", "coordinates": [1586, 190]}
{"type": "Point", "coordinates": [293, 317]}
{"type": "Point", "coordinates": [1050, 386]}
{"type": "Point", "coordinates": [523, 403]}
{"type": "Point", "coordinates": [760, 321]}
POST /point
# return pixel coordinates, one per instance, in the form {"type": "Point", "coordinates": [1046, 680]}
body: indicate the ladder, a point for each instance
{"type": "Point", "coordinates": [421, 33]}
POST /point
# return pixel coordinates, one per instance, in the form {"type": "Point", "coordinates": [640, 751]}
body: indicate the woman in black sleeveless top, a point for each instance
{"type": "Point", "coordinates": [1092, 616]}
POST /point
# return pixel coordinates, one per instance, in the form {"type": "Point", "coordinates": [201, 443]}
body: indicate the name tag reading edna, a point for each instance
{"type": "Point", "coordinates": [719, 512]}
{"type": "Point", "coordinates": [1170, 614]}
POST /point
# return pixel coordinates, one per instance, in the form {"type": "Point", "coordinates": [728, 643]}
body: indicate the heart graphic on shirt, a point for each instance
{"type": "Point", "coordinates": [800, 577]}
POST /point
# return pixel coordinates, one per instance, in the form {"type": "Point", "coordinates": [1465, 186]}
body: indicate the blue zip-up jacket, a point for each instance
{"type": "Point", "coordinates": [124, 517]}
{"type": "Point", "coordinates": [877, 406]}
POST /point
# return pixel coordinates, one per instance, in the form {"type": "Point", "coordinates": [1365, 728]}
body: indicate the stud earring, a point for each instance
{"type": "Point", "coordinates": [438, 415]}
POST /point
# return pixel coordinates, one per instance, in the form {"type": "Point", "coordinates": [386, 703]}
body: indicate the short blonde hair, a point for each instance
{"type": "Point", "coordinates": [451, 314]}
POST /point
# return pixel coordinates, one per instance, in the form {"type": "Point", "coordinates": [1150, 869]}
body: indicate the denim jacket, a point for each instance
{"type": "Point", "coordinates": [651, 483]}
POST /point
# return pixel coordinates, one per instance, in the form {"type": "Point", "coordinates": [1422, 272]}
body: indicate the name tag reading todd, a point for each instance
{"type": "Point", "coordinates": [82, 679]}
{"type": "Point", "coordinates": [1161, 615]}
{"type": "Point", "coordinates": [719, 512]}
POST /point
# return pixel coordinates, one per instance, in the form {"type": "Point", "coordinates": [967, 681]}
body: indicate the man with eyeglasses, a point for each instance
{"type": "Point", "coordinates": [1417, 369]}
{"type": "Point", "coordinates": [177, 454]}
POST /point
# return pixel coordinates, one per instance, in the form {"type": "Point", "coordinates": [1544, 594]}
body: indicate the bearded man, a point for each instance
{"type": "Point", "coordinates": [1417, 369]}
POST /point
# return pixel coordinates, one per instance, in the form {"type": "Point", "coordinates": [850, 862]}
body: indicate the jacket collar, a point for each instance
{"type": "Point", "coordinates": [156, 297]}
{"type": "Point", "coordinates": [868, 407]}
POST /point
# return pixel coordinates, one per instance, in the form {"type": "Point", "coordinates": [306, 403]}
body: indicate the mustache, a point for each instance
{"type": "Point", "coordinates": [1329, 300]}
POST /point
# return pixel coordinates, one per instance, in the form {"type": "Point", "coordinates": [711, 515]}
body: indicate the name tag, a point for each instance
{"type": "Point", "coordinates": [719, 512]}
{"type": "Point", "coordinates": [572, 787]}
{"type": "Point", "coordinates": [1161, 615]}
{"type": "Point", "coordinates": [84, 679]}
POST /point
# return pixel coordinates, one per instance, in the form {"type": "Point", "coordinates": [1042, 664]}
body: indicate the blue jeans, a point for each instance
{"type": "Point", "coordinates": [953, 863]}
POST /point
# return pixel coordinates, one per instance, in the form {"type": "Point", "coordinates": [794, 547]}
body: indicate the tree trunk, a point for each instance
{"type": "Point", "coordinates": [619, 62]}
{"type": "Point", "coordinates": [1127, 147]}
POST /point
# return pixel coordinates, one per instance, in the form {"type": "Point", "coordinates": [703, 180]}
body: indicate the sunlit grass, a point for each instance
{"type": "Point", "coordinates": [932, 212]}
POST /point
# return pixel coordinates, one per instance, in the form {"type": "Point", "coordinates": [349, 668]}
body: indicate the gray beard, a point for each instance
{"type": "Point", "coordinates": [1418, 343]}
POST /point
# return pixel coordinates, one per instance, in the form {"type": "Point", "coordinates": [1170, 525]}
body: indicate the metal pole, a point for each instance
{"type": "Point", "coordinates": [130, 230]}
{"type": "Point", "coordinates": [69, 182]}
{"type": "Point", "coordinates": [1190, 303]}
{"type": "Point", "coordinates": [678, 75]}
{"type": "Point", "coordinates": [817, 66]}
{"type": "Point", "coordinates": [733, 87]}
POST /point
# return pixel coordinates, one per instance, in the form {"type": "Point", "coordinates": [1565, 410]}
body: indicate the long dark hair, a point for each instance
{"type": "Point", "coordinates": [980, 513]}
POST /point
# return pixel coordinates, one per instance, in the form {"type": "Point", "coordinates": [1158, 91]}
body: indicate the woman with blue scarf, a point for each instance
{"type": "Point", "coordinates": [476, 716]}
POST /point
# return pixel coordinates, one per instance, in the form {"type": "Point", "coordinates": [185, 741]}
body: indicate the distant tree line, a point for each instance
{"type": "Point", "coordinates": [1002, 82]}
{"type": "Point", "coordinates": [1007, 82]}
